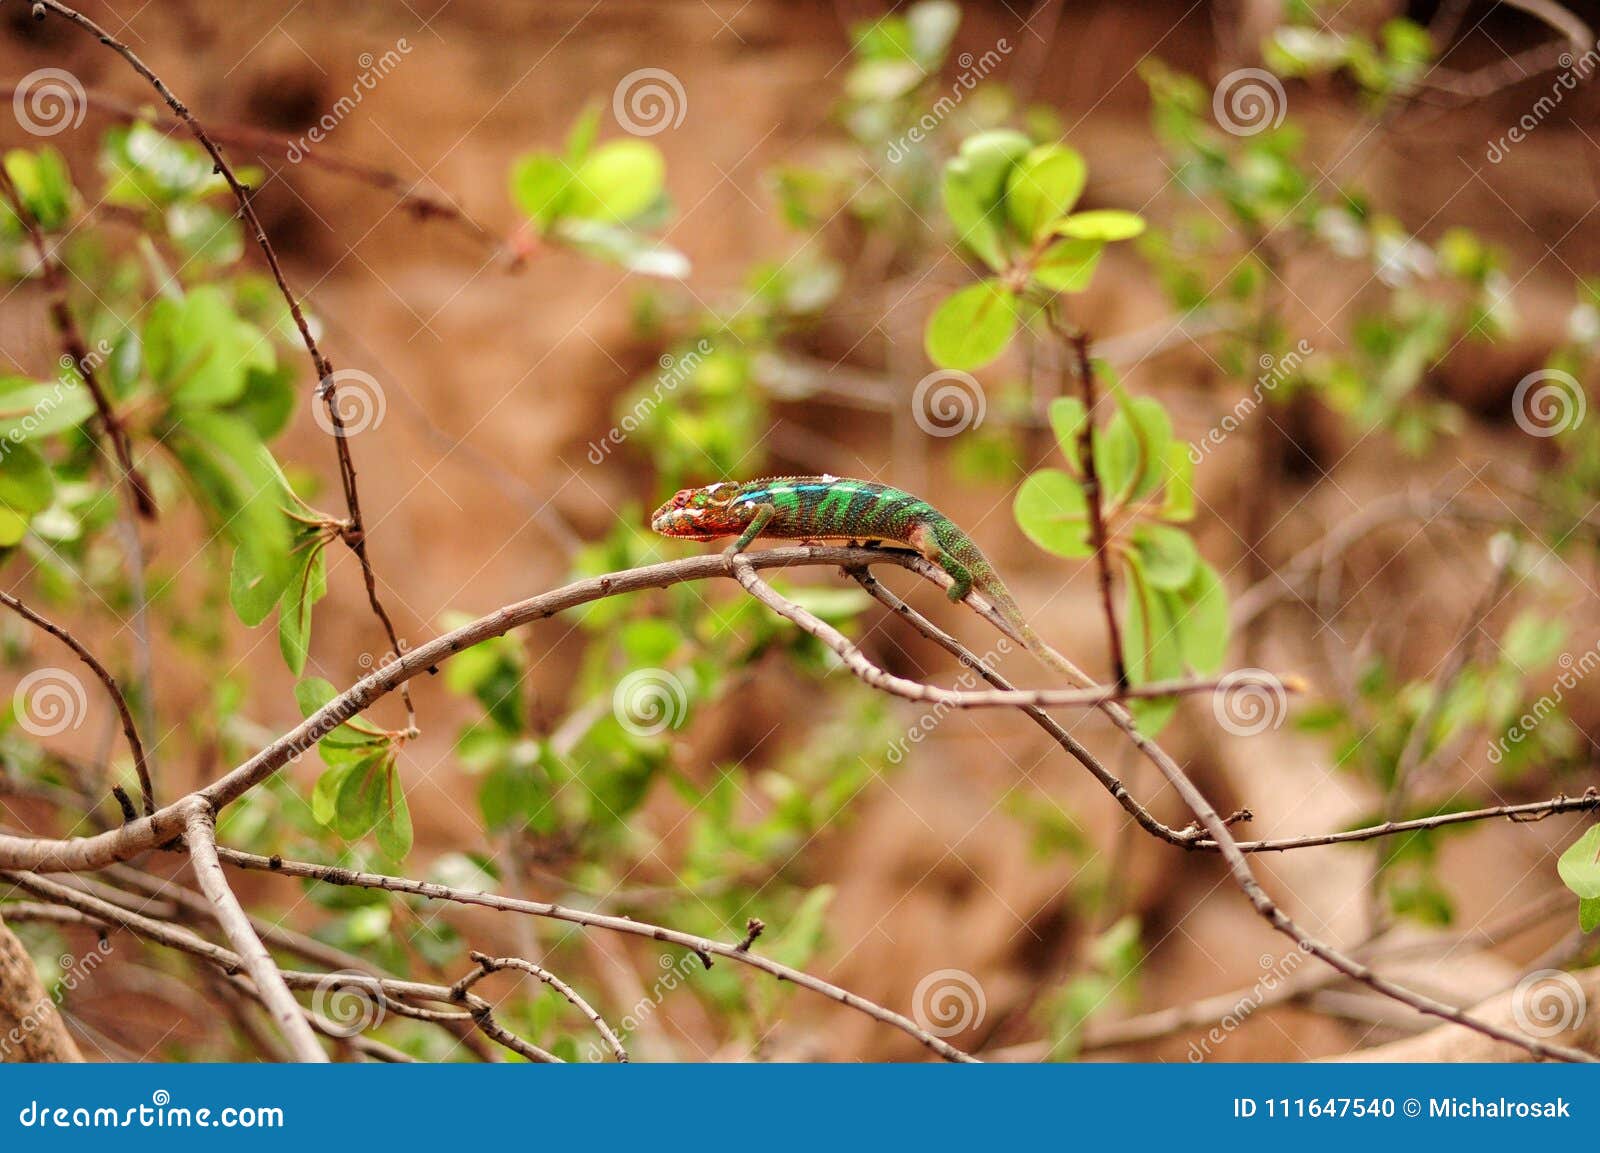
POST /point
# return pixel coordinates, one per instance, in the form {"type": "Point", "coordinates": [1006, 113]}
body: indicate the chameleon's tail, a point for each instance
{"type": "Point", "coordinates": [1020, 631]}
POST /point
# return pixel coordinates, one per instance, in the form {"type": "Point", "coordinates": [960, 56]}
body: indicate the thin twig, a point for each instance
{"type": "Point", "coordinates": [1099, 539]}
{"type": "Point", "coordinates": [488, 964]}
{"type": "Point", "coordinates": [147, 793]}
{"type": "Point", "coordinates": [77, 349]}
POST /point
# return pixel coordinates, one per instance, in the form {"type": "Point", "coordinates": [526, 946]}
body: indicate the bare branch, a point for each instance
{"type": "Point", "coordinates": [201, 836]}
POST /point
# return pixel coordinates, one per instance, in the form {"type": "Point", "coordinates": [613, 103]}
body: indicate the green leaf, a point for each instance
{"type": "Point", "coordinates": [633, 251]}
{"type": "Point", "coordinates": [1152, 433]}
{"type": "Point", "coordinates": [363, 796]}
{"type": "Point", "coordinates": [325, 792]}
{"type": "Point", "coordinates": [539, 186]}
{"type": "Point", "coordinates": [1050, 508]}
{"type": "Point", "coordinates": [1579, 866]}
{"type": "Point", "coordinates": [313, 694]}
{"type": "Point", "coordinates": [1043, 187]}
{"type": "Point", "coordinates": [975, 222]}
{"type": "Point", "coordinates": [27, 485]}
{"type": "Point", "coordinates": [972, 326]}
{"type": "Point", "coordinates": [31, 408]}
{"type": "Point", "coordinates": [204, 233]}
{"type": "Point", "coordinates": [268, 401]}
{"type": "Point", "coordinates": [308, 583]}
{"type": "Point", "coordinates": [1103, 224]}
{"type": "Point", "coordinates": [13, 527]}
{"type": "Point", "coordinates": [251, 593]}
{"type": "Point", "coordinates": [1166, 555]}
{"type": "Point", "coordinates": [932, 25]}
{"type": "Point", "coordinates": [1589, 914]}
{"type": "Point", "coordinates": [617, 182]}
{"type": "Point", "coordinates": [986, 160]}
{"type": "Point", "coordinates": [43, 185]}
{"type": "Point", "coordinates": [394, 826]}
{"type": "Point", "coordinates": [1178, 504]}
{"type": "Point", "coordinates": [1068, 265]}
{"type": "Point", "coordinates": [1151, 650]}
{"type": "Point", "coordinates": [583, 133]}
{"type": "Point", "coordinates": [199, 350]}
{"type": "Point", "coordinates": [1203, 622]}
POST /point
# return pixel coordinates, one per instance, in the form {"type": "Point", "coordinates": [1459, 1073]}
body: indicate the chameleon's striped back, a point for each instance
{"type": "Point", "coordinates": [825, 506]}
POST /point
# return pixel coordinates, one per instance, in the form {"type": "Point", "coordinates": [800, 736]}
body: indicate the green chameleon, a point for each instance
{"type": "Point", "coordinates": [815, 508]}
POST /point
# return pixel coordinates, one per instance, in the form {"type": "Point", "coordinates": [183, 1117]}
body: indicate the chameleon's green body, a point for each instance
{"type": "Point", "coordinates": [837, 508]}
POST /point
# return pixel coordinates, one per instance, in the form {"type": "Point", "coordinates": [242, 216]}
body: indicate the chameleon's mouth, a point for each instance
{"type": "Point", "coordinates": [677, 521]}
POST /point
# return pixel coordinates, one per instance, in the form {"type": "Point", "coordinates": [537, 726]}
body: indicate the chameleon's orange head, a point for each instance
{"type": "Point", "coordinates": [703, 513]}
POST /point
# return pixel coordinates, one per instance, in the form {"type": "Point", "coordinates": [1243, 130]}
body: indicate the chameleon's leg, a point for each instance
{"type": "Point", "coordinates": [925, 542]}
{"type": "Point", "coordinates": [764, 514]}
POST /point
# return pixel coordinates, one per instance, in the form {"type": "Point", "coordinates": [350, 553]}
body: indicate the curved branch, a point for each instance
{"type": "Point", "coordinates": [147, 793]}
{"type": "Point", "coordinates": [488, 964]}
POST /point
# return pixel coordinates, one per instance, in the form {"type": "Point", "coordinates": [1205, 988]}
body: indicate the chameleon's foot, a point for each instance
{"type": "Point", "coordinates": [958, 591]}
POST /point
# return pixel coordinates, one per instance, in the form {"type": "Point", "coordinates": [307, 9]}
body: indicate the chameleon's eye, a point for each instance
{"type": "Point", "coordinates": [682, 497]}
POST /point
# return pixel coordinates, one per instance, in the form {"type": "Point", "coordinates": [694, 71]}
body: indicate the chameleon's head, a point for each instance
{"type": "Point", "coordinates": [703, 513]}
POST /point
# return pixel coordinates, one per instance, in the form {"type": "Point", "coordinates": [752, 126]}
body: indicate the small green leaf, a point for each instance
{"type": "Point", "coordinates": [250, 591]}
{"type": "Point", "coordinates": [539, 186]}
{"type": "Point", "coordinates": [325, 792]}
{"type": "Point", "coordinates": [308, 583]}
{"type": "Point", "coordinates": [1050, 508]}
{"type": "Point", "coordinates": [31, 408]}
{"type": "Point", "coordinates": [1178, 505]}
{"type": "Point", "coordinates": [1166, 554]}
{"type": "Point", "coordinates": [1103, 224]}
{"type": "Point", "coordinates": [43, 185]}
{"type": "Point", "coordinates": [363, 796]}
{"type": "Point", "coordinates": [27, 485]}
{"type": "Point", "coordinates": [617, 182]}
{"type": "Point", "coordinates": [972, 326]}
{"type": "Point", "coordinates": [1579, 866]}
{"type": "Point", "coordinates": [1589, 914]}
{"type": "Point", "coordinates": [394, 826]}
{"type": "Point", "coordinates": [1152, 433]}
{"type": "Point", "coordinates": [975, 222]}
{"type": "Point", "coordinates": [1202, 622]}
{"type": "Point", "coordinates": [1043, 187]}
{"type": "Point", "coordinates": [313, 694]}
{"type": "Point", "coordinates": [1068, 265]}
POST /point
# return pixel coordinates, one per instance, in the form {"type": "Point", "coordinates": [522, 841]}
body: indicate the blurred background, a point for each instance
{"type": "Point", "coordinates": [1376, 264]}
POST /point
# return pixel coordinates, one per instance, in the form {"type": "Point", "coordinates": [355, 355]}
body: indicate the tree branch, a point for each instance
{"type": "Point", "coordinates": [488, 964]}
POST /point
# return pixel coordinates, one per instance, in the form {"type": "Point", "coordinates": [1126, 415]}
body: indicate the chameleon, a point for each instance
{"type": "Point", "coordinates": [817, 508]}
